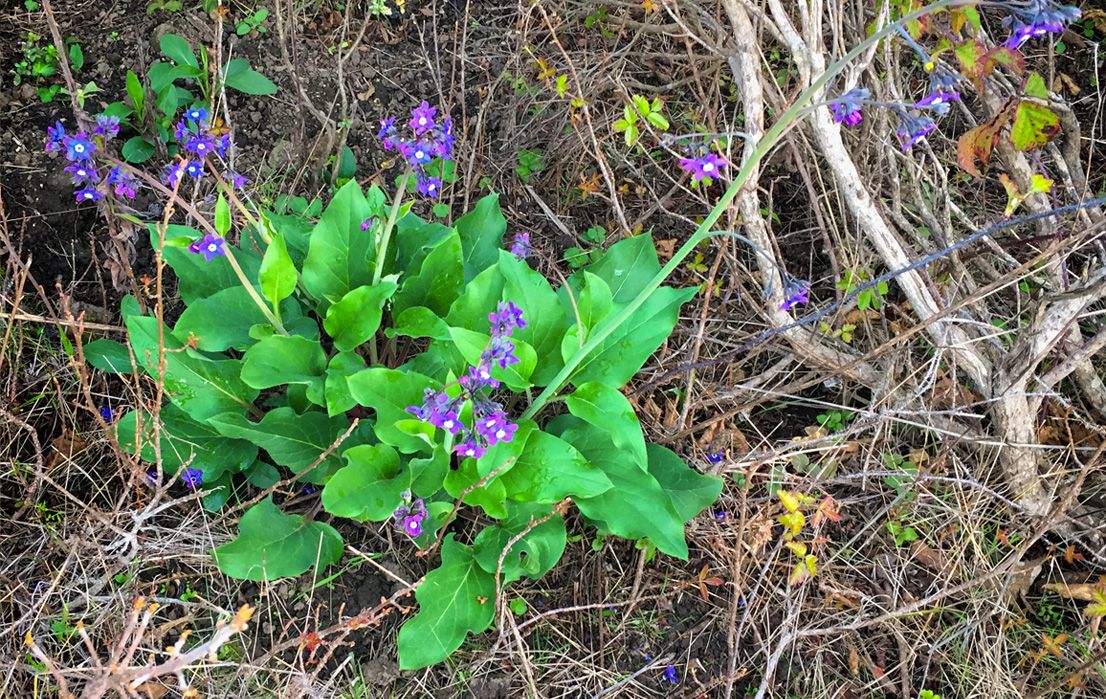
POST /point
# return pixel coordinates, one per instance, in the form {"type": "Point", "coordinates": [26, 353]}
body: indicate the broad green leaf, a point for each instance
{"type": "Point", "coordinates": [369, 486]}
{"type": "Point", "coordinates": [481, 232]}
{"type": "Point", "coordinates": [137, 150]}
{"type": "Point", "coordinates": [273, 545]}
{"type": "Point", "coordinates": [455, 599]}
{"type": "Point", "coordinates": [184, 439]}
{"type": "Point", "coordinates": [294, 441]}
{"type": "Point", "coordinates": [222, 215]}
{"type": "Point", "coordinates": [340, 256]}
{"type": "Point", "coordinates": [356, 318]}
{"type": "Point", "coordinates": [428, 474]}
{"type": "Point", "coordinates": [480, 298]}
{"type": "Point", "coordinates": [607, 409]}
{"type": "Point", "coordinates": [592, 303]}
{"type": "Point", "coordinates": [134, 89]}
{"type": "Point", "coordinates": [1035, 86]}
{"type": "Point", "coordinates": [418, 321]}
{"type": "Point", "coordinates": [550, 469]}
{"type": "Point", "coordinates": [627, 268]}
{"type": "Point", "coordinates": [390, 393]}
{"type": "Point", "coordinates": [198, 278]}
{"type": "Point", "coordinates": [178, 49]}
{"type": "Point", "coordinates": [109, 356]}
{"type": "Point", "coordinates": [542, 311]}
{"type": "Point", "coordinates": [438, 282]}
{"type": "Point", "coordinates": [636, 506]}
{"type": "Point", "coordinates": [691, 492]}
{"type": "Point", "coordinates": [532, 555]}
{"type": "Point", "coordinates": [200, 386]}
{"type": "Point", "coordinates": [296, 231]}
{"type": "Point", "coordinates": [336, 387]}
{"type": "Point", "coordinates": [491, 496]}
{"type": "Point", "coordinates": [220, 321]}
{"type": "Point", "coordinates": [279, 360]}
{"type": "Point", "coordinates": [414, 239]}
{"type": "Point", "coordinates": [277, 273]}
{"type": "Point", "coordinates": [1034, 125]}
{"type": "Point", "coordinates": [623, 353]}
{"type": "Point", "coordinates": [241, 77]}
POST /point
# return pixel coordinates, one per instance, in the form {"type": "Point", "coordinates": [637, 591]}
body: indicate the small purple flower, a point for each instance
{"type": "Point", "coordinates": [55, 136]}
{"type": "Point", "coordinates": [1036, 19]}
{"type": "Point", "coordinates": [368, 223]}
{"type": "Point", "coordinates": [796, 292]}
{"type": "Point", "coordinates": [418, 153]}
{"type": "Point", "coordinates": [88, 194]}
{"type": "Point", "coordinates": [937, 102]}
{"type": "Point", "coordinates": [704, 166]}
{"type": "Point", "coordinates": [721, 514]}
{"type": "Point", "coordinates": [235, 180]}
{"type": "Point", "coordinates": [496, 428]}
{"type": "Point", "coordinates": [500, 351]}
{"type": "Point", "coordinates": [125, 183]}
{"type": "Point", "coordinates": [447, 137]}
{"type": "Point", "coordinates": [448, 421]}
{"type": "Point", "coordinates": [715, 457]}
{"type": "Point", "coordinates": [181, 131]}
{"type": "Point", "coordinates": [506, 318]}
{"type": "Point", "coordinates": [78, 147]}
{"type": "Point", "coordinates": [470, 450]}
{"type": "Point", "coordinates": [422, 118]}
{"type": "Point", "coordinates": [192, 477]}
{"type": "Point", "coordinates": [429, 186]}
{"type": "Point", "coordinates": [107, 126]}
{"type": "Point", "coordinates": [846, 108]}
{"type": "Point", "coordinates": [222, 144]}
{"type": "Point", "coordinates": [671, 676]}
{"type": "Point", "coordinates": [478, 376]}
{"type": "Point", "coordinates": [196, 114]}
{"type": "Point", "coordinates": [412, 526]}
{"type": "Point", "coordinates": [83, 173]}
{"type": "Point", "coordinates": [522, 248]}
{"type": "Point", "coordinates": [210, 246]}
{"type": "Point", "coordinates": [202, 145]}
{"type": "Point", "coordinates": [913, 128]}
{"type": "Point", "coordinates": [387, 133]}
{"type": "Point", "coordinates": [194, 169]}
{"type": "Point", "coordinates": [107, 413]}
{"type": "Point", "coordinates": [151, 477]}
{"type": "Point", "coordinates": [171, 173]}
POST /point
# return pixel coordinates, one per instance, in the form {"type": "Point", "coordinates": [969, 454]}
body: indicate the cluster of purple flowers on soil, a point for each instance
{"type": "Point", "coordinates": [430, 140]}
{"type": "Point", "coordinates": [1036, 19]}
{"type": "Point", "coordinates": [409, 515]}
{"type": "Point", "coordinates": [490, 424]}
{"type": "Point", "coordinates": [79, 148]}
{"type": "Point", "coordinates": [196, 138]}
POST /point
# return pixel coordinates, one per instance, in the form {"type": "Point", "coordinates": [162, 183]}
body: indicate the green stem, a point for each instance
{"type": "Point", "coordinates": [254, 295]}
{"type": "Point", "coordinates": [767, 142]}
{"type": "Point", "coordinates": [386, 234]}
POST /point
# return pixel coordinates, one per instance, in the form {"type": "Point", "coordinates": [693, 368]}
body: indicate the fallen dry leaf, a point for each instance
{"type": "Point", "coordinates": [1080, 591]}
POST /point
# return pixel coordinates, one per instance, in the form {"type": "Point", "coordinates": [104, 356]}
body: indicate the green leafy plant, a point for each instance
{"type": "Point", "coordinates": [251, 21]}
{"type": "Point", "coordinates": [156, 100]}
{"type": "Point", "coordinates": [166, 5]}
{"type": "Point", "coordinates": [835, 419]}
{"type": "Point", "coordinates": [902, 534]}
{"type": "Point", "coordinates": [868, 298]}
{"type": "Point", "coordinates": [641, 110]}
{"type": "Point", "coordinates": [578, 257]}
{"type": "Point", "coordinates": [529, 162]}
{"type": "Point", "coordinates": [40, 62]}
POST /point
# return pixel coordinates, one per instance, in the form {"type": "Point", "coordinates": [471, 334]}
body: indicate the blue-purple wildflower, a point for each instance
{"type": "Point", "coordinates": [670, 675]}
{"type": "Point", "coordinates": [430, 140]}
{"type": "Point", "coordinates": [913, 129]}
{"type": "Point", "coordinates": [202, 145]}
{"type": "Point", "coordinates": [521, 248]}
{"type": "Point", "coordinates": [194, 169]}
{"type": "Point", "coordinates": [937, 102]}
{"type": "Point", "coordinates": [55, 136]}
{"type": "Point", "coordinates": [1037, 18]}
{"type": "Point", "coordinates": [429, 186]}
{"type": "Point", "coordinates": [125, 184]}
{"type": "Point", "coordinates": [847, 108]}
{"type": "Point", "coordinates": [192, 477]}
{"type": "Point", "coordinates": [172, 173]}
{"type": "Point", "coordinates": [210, 246]}
{"type": "Point", "coordinates": [235, 180]}
{"type": "Point", "coordinates": [196, 115]}
{"type": "Point", "coordinates": [107, 126]}
{"type": "Point", "coordinates": [88, 194]}
{"type": "Point", "coordinates": [78, 147]}
{"type": "Point", "coordinates": [83, 174]}
{"type": "Point", "coordinates": [796, 292]}
{"type": "Point", "coordinates": [107, 413]}
{"type": "Point", "coordinates": [422, 118]}
{"type": "Point", "coordinates": [409, 515]}
{"type": "Point", "coordinates": [707, 165]}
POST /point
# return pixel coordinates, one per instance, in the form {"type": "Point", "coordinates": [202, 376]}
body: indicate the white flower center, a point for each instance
{"type": "Point", "coordinates": [79, 148]}
{"type": "Point", "coordinates": [213, 247]}
{"type": "Point", "coordinates": [448, 424]}
{"type": "Point", "coordinates": [422, 121]}
{"type": "Point", "coordinates": [418, 154]}
{"type": "Point", "coordinates": [500, 434]}
{"type": "Point", "coordinates": [707, 167]}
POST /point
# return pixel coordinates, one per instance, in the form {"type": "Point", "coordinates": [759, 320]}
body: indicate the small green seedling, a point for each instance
{"type": "Point", "coordinates": [641, 110]}
{"type": "Point", "coordinates": [252, 22]}
{"type": "Point", "coordinates": [529, 163]}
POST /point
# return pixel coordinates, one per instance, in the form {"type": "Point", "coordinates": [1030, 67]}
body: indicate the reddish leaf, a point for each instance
{"type": "Point", "coordinates": [799, 575]}
{"type": "Point", "coordinates": [1034, 125]}
{"type": "Point", "coordinates": [971, 55]}
{"type": "Point", "coordinates": [974, 145]}
{"type": "Point", "coordinates": [1008, 57]}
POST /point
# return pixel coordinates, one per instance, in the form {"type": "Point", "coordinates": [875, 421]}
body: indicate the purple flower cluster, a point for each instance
{"type": "Point", "coordinates": [1036, 19]}
{"type": "Point", "coordinates": [797, 291]}
{"type": "Point", "coordinates": [409, 515]}
{"type": "Point", "coordinates": [430, 140]}
{"type": "Point", "coordinates": [78, 149]}
{"type": "Point", "coordinates": [846, 108]}
{"type": "Point", "coordinates": [490, 423]}
{"type": "Point", "coordinates": [210, 246]}
{"type": "Point", "coordinates": [196, 137]}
